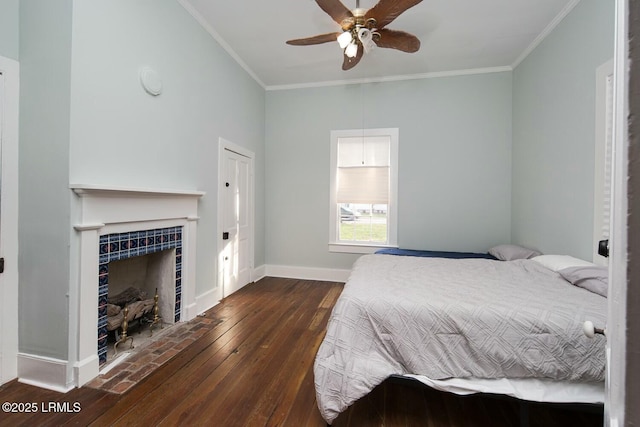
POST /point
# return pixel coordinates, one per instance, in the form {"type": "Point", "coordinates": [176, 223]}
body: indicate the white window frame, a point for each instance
{"type": "Point", "coordinates": [392, 209]}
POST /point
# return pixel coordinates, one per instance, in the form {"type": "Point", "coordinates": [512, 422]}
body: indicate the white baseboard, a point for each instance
{"type": "Point", "coordinates": [44, 372]}
{"type": "Point", "coordinates": [86, 370]}
{"type": "Point", "coordinates": [190, 311]}
{"type": "Point", "coordinates": [205, 301]}
{"type": "Point", "coordinates": [308, 273]}
{"type": "Point", "coordinates": [258, 273]}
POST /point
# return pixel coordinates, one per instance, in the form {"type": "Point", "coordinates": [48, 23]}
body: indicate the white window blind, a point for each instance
{"type": "Point", "coordinates": [363, 170]}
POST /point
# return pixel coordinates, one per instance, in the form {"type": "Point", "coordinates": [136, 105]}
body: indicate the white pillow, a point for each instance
{"type": "Point", "coordinates": [559, 262]}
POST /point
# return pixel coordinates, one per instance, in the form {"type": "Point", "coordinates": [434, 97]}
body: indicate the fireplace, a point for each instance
{"type": "Point", "coordinates": [114, 224]}
{"type": "Point", "coordinates": [140, 259]}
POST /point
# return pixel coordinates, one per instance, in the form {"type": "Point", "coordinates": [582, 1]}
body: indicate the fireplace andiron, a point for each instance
{"type": "Point", "coordinates": [124, 326]}
{"type": "Point", "coordinates": [156, 317]}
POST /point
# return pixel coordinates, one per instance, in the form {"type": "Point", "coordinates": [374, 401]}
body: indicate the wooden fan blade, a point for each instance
{"type": "Point", "coordinates": [322, 38]}
{"type": "Point", "coordinates": [387, 10]}
{"type": "Point", "coordinates": [335, 9]}
{"type": "Point", "coordinates": [349, 63]}
{"type": "Point", "coordinates": [400, 40]}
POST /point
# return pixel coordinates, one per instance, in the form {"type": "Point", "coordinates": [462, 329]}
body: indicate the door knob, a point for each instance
{"type": "Point", "coordinates": [603, 248]}
{"type": "Point", "coordinates": [591, 331]}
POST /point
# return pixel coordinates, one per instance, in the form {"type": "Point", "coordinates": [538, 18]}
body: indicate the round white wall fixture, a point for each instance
{"type": "Point", "coordinates": [151, 81]}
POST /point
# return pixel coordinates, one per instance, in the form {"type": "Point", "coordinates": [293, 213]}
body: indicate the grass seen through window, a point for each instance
{"type": "Point", "coordinates": [363, 232]}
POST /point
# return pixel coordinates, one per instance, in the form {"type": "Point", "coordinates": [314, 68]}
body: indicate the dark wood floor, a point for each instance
{"type": "Point", "coordinates": [254, 368]}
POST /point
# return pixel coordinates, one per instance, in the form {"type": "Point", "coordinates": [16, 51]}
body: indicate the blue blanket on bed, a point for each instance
{"type": "Point", "coordinates": [434, 254]}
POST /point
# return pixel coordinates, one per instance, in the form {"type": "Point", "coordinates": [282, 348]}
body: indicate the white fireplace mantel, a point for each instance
{"type": "Point", "coordinates": [111, 205]}
{"type": "Point", "coordinates": [90, 189]}
{"type": "Point", "coordinates": [101, 210]}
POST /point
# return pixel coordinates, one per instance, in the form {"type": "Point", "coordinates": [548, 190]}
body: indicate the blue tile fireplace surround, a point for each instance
{"type": "Point", "coordinates": [119, 246]}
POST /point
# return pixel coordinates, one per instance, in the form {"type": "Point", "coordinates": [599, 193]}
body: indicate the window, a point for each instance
{"type": "Point", "coordinates": [363, 196]}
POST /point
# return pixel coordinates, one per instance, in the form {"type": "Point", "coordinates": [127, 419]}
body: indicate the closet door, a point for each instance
{"type": "Point", "coordinates": [236, 221]}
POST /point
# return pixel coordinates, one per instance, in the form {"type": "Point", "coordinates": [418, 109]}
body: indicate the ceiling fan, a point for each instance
{"type": "Point", "coordinates": [364, 29]}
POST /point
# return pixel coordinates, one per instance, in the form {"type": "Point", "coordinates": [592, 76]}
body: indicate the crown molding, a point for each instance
{"type": "Point", "coordinates": [391, 78]}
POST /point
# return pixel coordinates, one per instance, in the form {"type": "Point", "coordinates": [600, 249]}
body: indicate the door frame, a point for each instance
{"type": "Point", "coordinates": [10, 70]}
{"type": "Point", "coordinates": [223, 145]}
{"type": "Point", "coordinates": [616, 374]}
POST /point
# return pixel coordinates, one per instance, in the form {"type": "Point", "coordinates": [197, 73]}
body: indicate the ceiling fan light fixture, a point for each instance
{"type": "Point", "coordinates": [352, 50]}
{"type": "Point", "coordinates": [344, 39]}
{"type": "Point", "coordinates": [366, 38]}
{"type": "Point", "coordinates": [364, 34]}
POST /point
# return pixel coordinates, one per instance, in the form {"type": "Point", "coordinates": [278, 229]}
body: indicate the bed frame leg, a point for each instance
{"type": "Point", "coordinates": [524, 414]}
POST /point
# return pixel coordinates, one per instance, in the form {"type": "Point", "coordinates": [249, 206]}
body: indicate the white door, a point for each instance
{"type": "Point", "coordinates": [237, 206]}
{"type": "Point", "coordinates": [9, 93]}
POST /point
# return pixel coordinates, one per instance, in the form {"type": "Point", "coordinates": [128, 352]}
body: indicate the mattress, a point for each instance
{"type": "Point", "coordinates": [444, 319]}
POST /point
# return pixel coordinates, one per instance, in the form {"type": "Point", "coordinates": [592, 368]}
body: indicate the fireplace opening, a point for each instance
{"type": "Point", "coordinates": [140, 281]}
{"type": "Point", "coordinates": [144, 288]}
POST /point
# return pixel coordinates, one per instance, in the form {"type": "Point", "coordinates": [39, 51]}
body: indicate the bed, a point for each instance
{"type": "Point", "coordinates": [465, 325]}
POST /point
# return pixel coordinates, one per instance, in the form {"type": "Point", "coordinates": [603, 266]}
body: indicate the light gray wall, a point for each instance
{"type": "Point", "coordinates": [85, 119]}
{"type": "Point", "coordinates": [45, 70]}
{"type": "Point", "coordinates": [553, 132]}
{"type": "Point", "coordinates": [121, 136]}
{"type": "Point", "coordinates": [9, 28]}
{"type": "Point", "coordinates": [454, 163]}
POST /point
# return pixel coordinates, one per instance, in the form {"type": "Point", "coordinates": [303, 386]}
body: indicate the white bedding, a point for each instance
{"type": "Point", "coordinates": [444, 318]}
{"type": "Point", "coordinates": [531, 389]}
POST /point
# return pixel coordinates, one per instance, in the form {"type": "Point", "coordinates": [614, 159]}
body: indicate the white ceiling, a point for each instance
{"type": "Point", "coordinates": [457, 36]}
